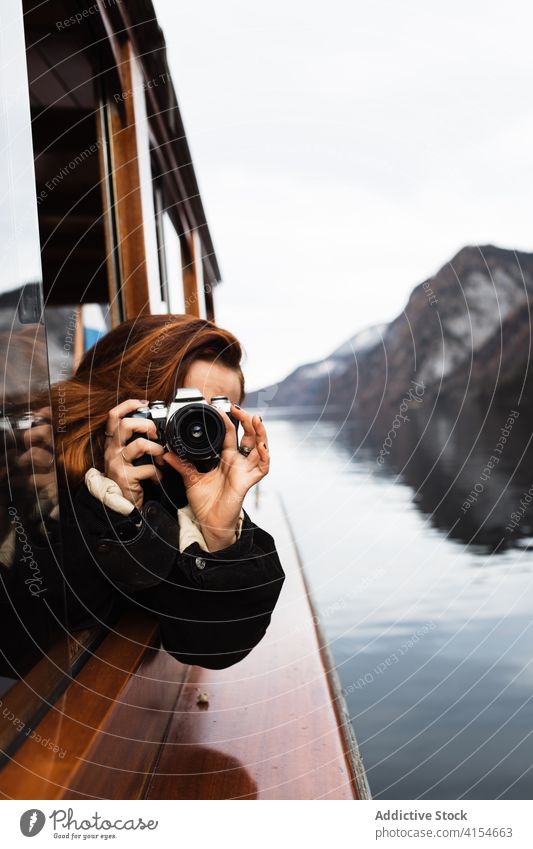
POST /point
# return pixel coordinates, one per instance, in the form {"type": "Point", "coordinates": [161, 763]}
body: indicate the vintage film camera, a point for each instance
{"type": "Point", "coordinates": [190, 427]}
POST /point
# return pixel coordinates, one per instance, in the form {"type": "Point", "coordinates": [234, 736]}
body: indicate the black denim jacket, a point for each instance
{"type": "Point", "coordinates": [213, 607]}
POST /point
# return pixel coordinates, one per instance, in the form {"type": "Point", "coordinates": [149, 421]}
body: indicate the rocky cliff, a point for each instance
{"type": "Point", "coordinates": [466, 330]}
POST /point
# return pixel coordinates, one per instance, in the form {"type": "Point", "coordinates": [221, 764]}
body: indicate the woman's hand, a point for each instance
{"type": "Point", "coordinates": [38, 458]}
{"type": "Point", "coordinates": [118, 455]}
{"type": "Point", "coordinates": [216, 496]}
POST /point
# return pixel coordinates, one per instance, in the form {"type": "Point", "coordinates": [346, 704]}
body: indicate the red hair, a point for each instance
{"type": "Point", "coordinates": [145, 357]}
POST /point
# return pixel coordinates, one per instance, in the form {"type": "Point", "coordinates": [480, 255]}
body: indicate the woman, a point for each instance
{"type": "Point", "coordinates": [161, 535]}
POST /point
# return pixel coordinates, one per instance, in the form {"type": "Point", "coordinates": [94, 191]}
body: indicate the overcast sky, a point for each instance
{"type": "Point", "coordinates": [345, 151]}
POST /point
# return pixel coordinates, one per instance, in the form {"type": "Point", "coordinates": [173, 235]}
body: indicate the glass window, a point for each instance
{"type": "Point", "coordinates": [71, 330]}
{"type": "Point", "coordinates": [199, 268]}
{"type": "Point", "coordinates": [169, 250]}
{"type": "Point", "coordinates": [174, 270]}
{"type": "Point", "coordinates": [32, 614]}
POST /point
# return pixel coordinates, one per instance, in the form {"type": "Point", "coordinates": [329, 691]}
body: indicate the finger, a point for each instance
{"type": "Point", "coordinates": [121, 410]}
{"type": "Point", "coordinates": [260, 429]}
{"type": "Point", "coordinates": [37, 435]}
{"type": "Point", "coordinates": [130, 481]}
{"type": "Point", "coordinates": [263, 463]}
{"type": "Point", "coordinates": [247, 424]}
{"type": "Point", "coordinates": [230, 439]}
{"type": "Point", "coordinates": [127, 427]}
{"type": "Point", "coordinates": [44, 483]}
{"type": "Point", "coordinates": [129, 477]}
{"type": "Point", "coordinates": [186, 469]}
{"type": "Point", "coordinates": [146, 472]}
{"type": "Point", "coordinates": [139, 447]}
{"type": "Point", "coordinates": [36, 458]}
{"type": "Point", "coordinates": [44, 413]}
{"type": "Point", "coordinates": [258, 463]}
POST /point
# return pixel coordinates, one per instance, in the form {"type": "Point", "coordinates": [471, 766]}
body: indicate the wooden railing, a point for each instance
{"type": "Point", "coordinates": [132, 725]}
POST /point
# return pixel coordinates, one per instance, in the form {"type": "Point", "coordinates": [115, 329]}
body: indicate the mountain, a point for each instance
{"type": "Point", "coordinates": [330, 380]}
{"type": "Point", "coordinates": [464, 330]}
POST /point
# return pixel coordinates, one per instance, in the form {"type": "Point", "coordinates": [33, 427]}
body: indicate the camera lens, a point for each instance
{"type": "Point", "coordinates": [196, 432]}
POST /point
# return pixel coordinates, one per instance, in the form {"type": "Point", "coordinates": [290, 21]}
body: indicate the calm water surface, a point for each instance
{"type": "Point", "coordinates": [426, 606]}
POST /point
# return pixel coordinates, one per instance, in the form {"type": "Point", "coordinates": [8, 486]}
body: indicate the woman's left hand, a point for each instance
{"type": "Point", "coordinates": [216, 496]}
{"type": "Point", "coordinates": [38, 458]}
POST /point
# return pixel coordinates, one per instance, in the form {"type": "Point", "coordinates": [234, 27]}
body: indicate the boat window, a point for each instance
{"type": "Point", "coordinates": [54, 275]}
{"type": "Point", "coordinates": [174, 265]}
{"type": "Point", "coordinates": [199, 269]}
{"type": "Point", "coordinates": [65, 84]}
{"type": "Point", "coordinates": [169, 250]}
{"type": "Point", "coordinates": [71, 330]}
{"type": "Point", "coordinates": [33, 646]}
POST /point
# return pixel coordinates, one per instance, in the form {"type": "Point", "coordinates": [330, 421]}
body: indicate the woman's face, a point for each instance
{"type": "Point", "coordinates": [213, 379]}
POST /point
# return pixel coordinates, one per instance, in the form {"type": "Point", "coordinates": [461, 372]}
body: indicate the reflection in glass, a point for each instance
{"type": "Point", "coordinates": [31, 585]}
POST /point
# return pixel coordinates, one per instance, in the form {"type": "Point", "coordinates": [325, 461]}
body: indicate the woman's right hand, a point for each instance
{"type": "Point", "coordinates": [118, 455]}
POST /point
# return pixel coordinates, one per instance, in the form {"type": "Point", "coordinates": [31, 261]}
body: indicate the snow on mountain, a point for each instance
{"type": "Point", "coordinates": [362, 341]}
{"type": "Point", "coordinates": [462, 330]}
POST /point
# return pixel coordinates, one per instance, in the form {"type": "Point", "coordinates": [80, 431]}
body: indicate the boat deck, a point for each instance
{"type": "Point", "coordinates": [273, 726]}
{"type": "Point", "coordinates": [271, 729]}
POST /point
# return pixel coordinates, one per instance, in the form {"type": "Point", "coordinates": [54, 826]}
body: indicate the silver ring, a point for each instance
{"type": "Point", "coordinates": [245, 450]}
{"type": "Point", "coordinates": [109, 435]}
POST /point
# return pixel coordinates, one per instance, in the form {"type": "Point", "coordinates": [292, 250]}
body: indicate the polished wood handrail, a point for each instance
{"type": "Point", "coordinates": [109, 723]}
{"type": "Point", "coordinates": [30, 696]}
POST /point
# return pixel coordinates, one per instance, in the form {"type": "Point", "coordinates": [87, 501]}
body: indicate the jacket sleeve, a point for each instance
{"type": "Point", "coordinates": [213, 607]}
{"type": "Point", "coordinates": [132, 552]}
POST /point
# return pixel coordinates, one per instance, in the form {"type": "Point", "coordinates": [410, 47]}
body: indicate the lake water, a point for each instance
{"type": "Point", "coordinates": [426, 603]}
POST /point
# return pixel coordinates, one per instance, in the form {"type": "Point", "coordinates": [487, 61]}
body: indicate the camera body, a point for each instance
{"type": "Point", "coordinates": [14, 427]}
{"type": "Point", "coordinates": [190, 427]}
